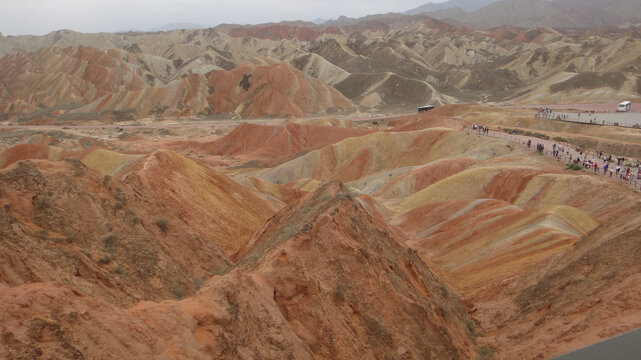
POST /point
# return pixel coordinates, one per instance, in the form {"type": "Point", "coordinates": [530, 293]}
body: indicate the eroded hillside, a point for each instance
{"type": "Point", "coordinates": [300, 69]}
{"type": "Point", "coordinates": [313, 238]}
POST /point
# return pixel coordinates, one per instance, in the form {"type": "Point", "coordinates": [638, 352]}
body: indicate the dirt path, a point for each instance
{"type": "Point", "coordinates": [191, 124]}
{"type": "Point", "coordinates": [571, 153]}
{"type": "Point", "coordinates": [128, 127]}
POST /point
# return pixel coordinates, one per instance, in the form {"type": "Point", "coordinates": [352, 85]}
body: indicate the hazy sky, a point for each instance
{"type": "Point", "coordinates": [39, 17]}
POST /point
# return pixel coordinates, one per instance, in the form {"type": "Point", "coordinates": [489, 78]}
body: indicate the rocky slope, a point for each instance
{"type": "Point", "coordinates": [302, 290]}
{"type": "Point", "coordinates": [91, 84]}
{"type": "Point", "coordinates": [121, 241]}
{"type": "Point", "coordinates": [439, 243]}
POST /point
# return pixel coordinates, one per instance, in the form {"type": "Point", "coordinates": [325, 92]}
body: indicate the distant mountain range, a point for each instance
{"type": "Point", "coordinates": [386, 61]}
{"type": "Point", "coordinates": [561, 14]}
{"type": "Point", "coordinates": [481, 15]}
{"type": "Point", "coordinates": [466, 5]}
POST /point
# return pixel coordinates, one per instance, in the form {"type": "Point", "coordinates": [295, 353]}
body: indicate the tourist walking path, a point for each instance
{"type": "Point", "coordinates": [625, 119]}
{"type": "Point", "coordinates": [570, 154]}
{"type": "Point", "coordinates": [623, 347]}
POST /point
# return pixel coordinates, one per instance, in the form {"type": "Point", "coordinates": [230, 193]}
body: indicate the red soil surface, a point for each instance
{"type": "Point", "coordinates": [307, 296]}
{"type": "Point", "coordinates": [543, 263]}
{"type": "Point", "coordinates": [271, 90]}
{"type": "Point", "coordinates": [276, 140]}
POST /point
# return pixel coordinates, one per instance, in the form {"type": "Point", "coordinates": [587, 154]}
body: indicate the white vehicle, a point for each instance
{"type": "Point", "coordinates": [624, 106]}
{"type": "Point", "coordinates": [425, 108]}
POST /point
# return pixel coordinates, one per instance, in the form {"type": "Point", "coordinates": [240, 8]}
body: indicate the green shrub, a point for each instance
{"type": "Point", "coordinates": [471, 326]}
{"type": "Point", "coordinates": [444, 291]}
{"type": "Point", "coordinates": [109, 243]}
{"type": "Point", "coordinates": [104, 260]}
{"type": "Point", "coordinates": [445, 312]}
{"type": "Point", "coordinates": [42, 234]}
{"type": "Point", "coordinates": [218, 271]}
{"type": "Point", "coordinates": [58, 240]}
{"type": "Point", "coordinates": [541, 136]}
{"type": "Point", "coordinates": [162, 224]}
{"type": "Point", "coordinates": [177, 290]}
{"type": "Point", "coordinates": [305, 209]}
{"type": "Point", "coordinates": [560, 139]}
{"type": "Point", "coordinates": [571, 166]}
{"type": "Point", "coordinates": [42, 201]}
{"type": "Point", "coordinates": [485, 353]}
{"type": "Point", "coordinates": [377, 330]}
{"type": "Point", "coordinates": [120, 270]}
{"type": "Point", "coordinates": [291, 231]}
{"type": "Point", "coordinates": [340, 290]}
{"type": "Point", "coordinates": [133, 218]}
{"type": "Point", "coordinates": [118, 205]}
{"type": "Point", "coordinates": [199, 282]}
{"type": "Point", "coordinates": [510, 131]}
{"type": "Point", "coordinates": [350, 191]}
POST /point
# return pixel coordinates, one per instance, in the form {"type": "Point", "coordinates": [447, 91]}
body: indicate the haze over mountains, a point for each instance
{"type": "Point", "coordinates": [465, 5]}
{"type": "Point", "coordinates": [560, 14]}
{"type": "Point", "coordinates": [564, 14]}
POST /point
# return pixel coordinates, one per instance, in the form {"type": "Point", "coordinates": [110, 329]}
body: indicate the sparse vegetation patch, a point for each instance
{"type": "Point", "coordinates": [177, 290]}
{"type": "Point", "coordinates": [162, 224]}
{"type": "Point", "coordinates": [109, 243]}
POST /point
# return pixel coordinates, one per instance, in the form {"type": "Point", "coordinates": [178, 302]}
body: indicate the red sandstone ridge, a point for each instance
{"type": "Point", "coordinates": [83, 83]}
{"type": "Point", "coordinates": [436, 118]}
{"type": "Point", "coordinates": [180, 188]}
{"type": "Point", "coordinates": [72, 76]}
{"type": "Point", "coordinates": [327, 283]}
{"type": "Point", "coordinates": [276, 89]}
{"type": "Point", "coordinates": [271, 141]}
{"type": "Point", "coordinates": [590, 294]}
{"type": "Point", "coordinates": [161, 232]}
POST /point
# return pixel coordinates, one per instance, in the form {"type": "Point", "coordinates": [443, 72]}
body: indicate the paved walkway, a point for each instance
{"type": "Point", "coordinates": [625, 119]}
{"type": "Point", "coordinates": [570, 154]}
{"type": "Point", "coordinates": [596, 107]}
{"type": "Point", "coordinates": [600, 114]}
{"type": "Point", "coordinates": [622, 347]}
